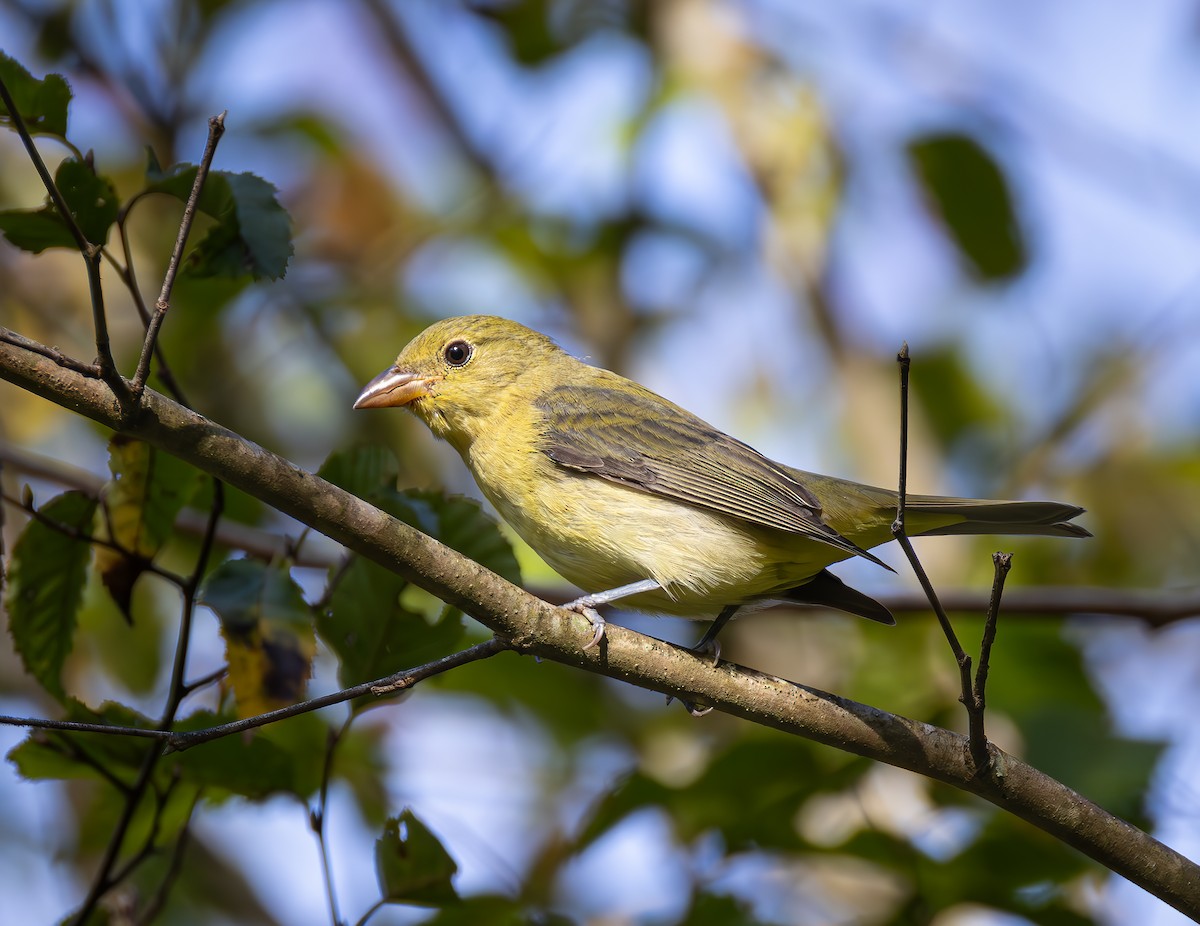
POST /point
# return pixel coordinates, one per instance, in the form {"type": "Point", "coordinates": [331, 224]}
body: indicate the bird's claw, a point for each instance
{"type": "Point", "coordinates": [691, 707]}
{"type": "Point", "coordinates": [585, 607]}
{"type": "Point", "coordinates": [712, 647]}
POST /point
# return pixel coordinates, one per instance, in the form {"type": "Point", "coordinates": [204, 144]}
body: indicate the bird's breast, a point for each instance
{"type": "Point", "coordinates": [598, 535]}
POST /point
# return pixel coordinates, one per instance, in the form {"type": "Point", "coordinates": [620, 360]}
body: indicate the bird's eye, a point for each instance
{"type": "Point", "coordinates": [457, 353]}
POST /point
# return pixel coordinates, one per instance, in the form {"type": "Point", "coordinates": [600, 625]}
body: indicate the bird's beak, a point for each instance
{"type": "Point", "coordinates": [392, 388]}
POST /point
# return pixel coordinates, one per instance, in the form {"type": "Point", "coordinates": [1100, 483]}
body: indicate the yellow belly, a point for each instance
{"type": "Point", "coordinates": [600, 535]}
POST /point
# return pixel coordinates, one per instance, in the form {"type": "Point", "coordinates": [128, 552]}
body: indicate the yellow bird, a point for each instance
{"type": "Point", "coordinates": [627, 495]}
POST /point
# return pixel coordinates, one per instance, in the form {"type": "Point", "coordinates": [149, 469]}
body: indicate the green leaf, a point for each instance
{"type": "Point", "coordinates": [35, 230]}
{"type": "Point", "coordinates": [252, 234]}
{"type": "Point", "coordinates": [266, 228]}
{"type": "Point", "coordinates": [42, 104]}
{"type": "Point", "coordinates": [284, 757]}
{"type": "Point", "coordinates": [366, 625]}
{"type": "Point", "coordinates": [373, 634]}
{"type": "Point", "coordinates": [968, 192]}
{"type": "Point", "coordinates": [411, 863]}
{"type": "Point", "coordinates": [459, 523]}
{"type": "Point", "coordinates": [147, 492]}
{"type": "Point", "coordinates": [711, 910]}
{"type": "Point", "coordinates": [60, 755]}
{"type": "Point", "coordinates": [91, 199]}
{"type": "Point", "coordinates": [527, 26]}
{"type": "Point", "coordinates": [46, 580]}
{"type": "Point", "coordinates": [750, 794]}
{"type": "Point", "coordinates": [267, 626]}
{"type": "Point", "coordinates": [495, 911]}
{"type": "Point", "coordinates": [178, 181]}
{"type": "Point", "coordinates": [361, 470]}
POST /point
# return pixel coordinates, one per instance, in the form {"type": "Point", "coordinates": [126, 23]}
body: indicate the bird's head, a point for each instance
{"type": "Point", "coordinates": [457, 372]}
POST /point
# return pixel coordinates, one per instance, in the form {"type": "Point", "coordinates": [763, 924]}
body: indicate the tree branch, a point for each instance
{"type": "Point", "coordinates": [532, 626]}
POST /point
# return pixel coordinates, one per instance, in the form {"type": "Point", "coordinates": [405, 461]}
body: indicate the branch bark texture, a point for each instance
{"type": "Point", "coordinates": [537, 628]}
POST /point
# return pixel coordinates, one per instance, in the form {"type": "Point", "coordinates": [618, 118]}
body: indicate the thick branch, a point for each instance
{"type": "Point", "coordinates": [536, 627]}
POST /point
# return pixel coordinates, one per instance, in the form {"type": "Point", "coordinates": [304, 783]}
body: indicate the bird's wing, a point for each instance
{"type": "Point", "coordinates": [634, 438]}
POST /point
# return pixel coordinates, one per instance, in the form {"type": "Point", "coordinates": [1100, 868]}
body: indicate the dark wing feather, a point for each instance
{"type": "Point", "coordinates": [634, 438]}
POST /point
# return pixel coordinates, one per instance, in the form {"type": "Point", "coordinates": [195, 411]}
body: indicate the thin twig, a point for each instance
{"type": "Point", "coordinates": [129, 278]}
{"type": "Point", "coordinates": [148, 843]}
{"type": "Point", "coordinates": [89, 370]}
{"type": "Point", "coordinates": [102, 882]}
{"type": "Point", "coordinates": [203, 681]}
{"type": "Point", "coordinates": [152, 909]}
{"type": "Point", "coordinates": [216, 128]}
{"type": "Point", "coordinates": [105, 877]}
{"type": "Point", "coordinates": [905, 363]}
{"type": "Point", "coordinates": [406, 678]}
{"type": "Point", "coordinates": [79, 726]}
{"type": "Point", "coordinates": [371, 911]}
{"type": "Point", "coordinates": [960, 656]}
{"type": "Point", "coordinates": [81, 755]}
{"type": "Point", "coordinates": [317, 819]}
{"type": "Point", "coordinates": [977, 737]}
{"type": "Point", "coordinates": [104, 358]}
{"type": "Point", "coordinates": [69, 530]}
{"type": "Point", "coordinates": [260, 544]}
{"type": "Point", "coordinates": [39, 164]}
{"type": "Point", "coordinates": [91, 253]}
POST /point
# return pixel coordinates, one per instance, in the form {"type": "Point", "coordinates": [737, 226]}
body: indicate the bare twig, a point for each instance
{"type": "Point", "coordinates": [129, 278]}
{"type": "Point", "coordinates": [317, 819]}
{"type": "Point", "coordinates": [406, 678]}
{"type": "Point", "coordinates": [39, 164]}
{"type": "Point", "coordinates": [103, 881]}
{"type": "Point", "coordinates": [960, 656]}
{"type": "Point", "coordinates": [977, 738]}
{"type": "Point", "coordinates": [152, 909]}
{"type": "Point", "coordinates": [91, 253]}
{"type": "Point", "coordinates": [392, 29]}
{"type": "Point", "coordinates": [216, 128]}
{"type": "Point", "coordinates": [106, 877]}
{"type": "Point", "coordinates": [261, 544]}
{"type": "Point", "coordinates": [69, 530]}
{"type": "Point", "coordinates": [50, 353]}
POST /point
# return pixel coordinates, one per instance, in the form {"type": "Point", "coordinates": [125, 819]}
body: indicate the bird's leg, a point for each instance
{"type": "Point", "coordinates": [709, 640]}
{"type": "Point", "coordinates": [588, 603]}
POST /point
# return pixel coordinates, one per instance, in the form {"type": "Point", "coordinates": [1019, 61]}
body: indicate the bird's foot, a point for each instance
{"type": "Point", "coordinates": [710, 648]}
{"type": "Point", "coordinates": [587, 607]}
{"type": "Point", "coordinates": [691, 707]}
{"type": "Point", "coordinates": [588, 603]}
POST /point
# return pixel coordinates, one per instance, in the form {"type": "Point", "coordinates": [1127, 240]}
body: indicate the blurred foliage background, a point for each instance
{"type": "Point", "coordinates": [747, 206]}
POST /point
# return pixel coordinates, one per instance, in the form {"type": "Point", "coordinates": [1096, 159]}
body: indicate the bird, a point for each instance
{"type": "Point", "coordinates": [630, 497]}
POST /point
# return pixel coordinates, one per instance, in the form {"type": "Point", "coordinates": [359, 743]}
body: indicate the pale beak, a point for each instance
{"type": "Point", "coordinates": [392, 388]}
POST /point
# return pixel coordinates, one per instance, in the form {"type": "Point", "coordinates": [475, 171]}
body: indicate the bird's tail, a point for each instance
{"type": "Point", "coordinates": [935, 515]}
